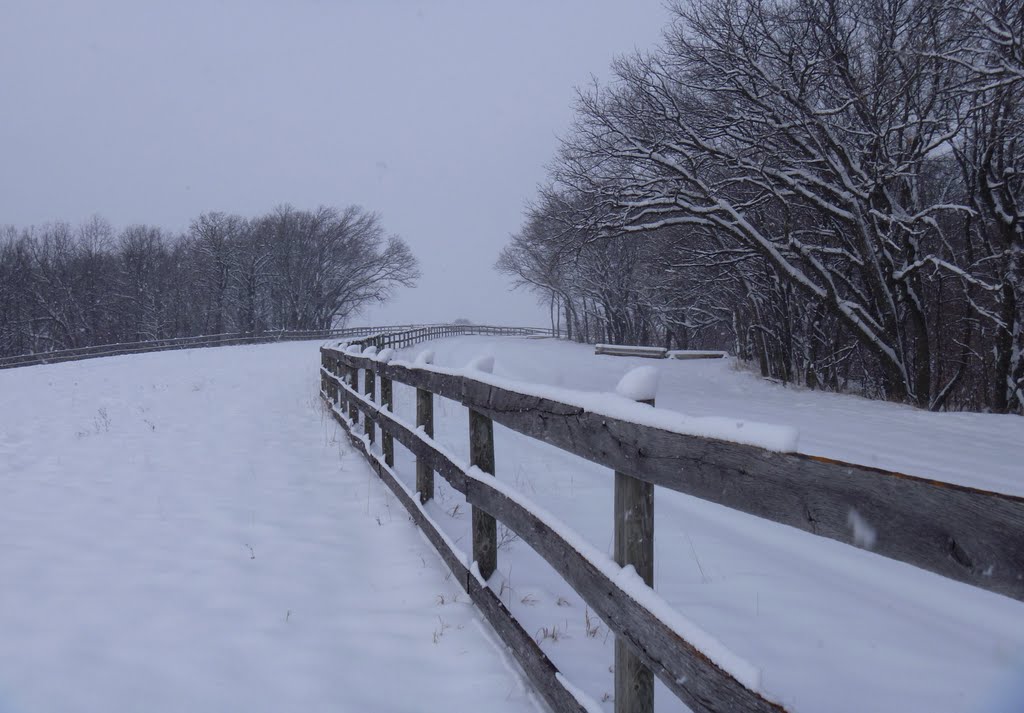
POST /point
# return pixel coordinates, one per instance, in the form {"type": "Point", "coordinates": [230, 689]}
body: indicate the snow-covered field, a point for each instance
{"type": "Point", "coordinates": [185, 531]}
{"type": "Point", "coordinates": [188, 531]}
{"type": "Point", "coordinates": [831, 628]}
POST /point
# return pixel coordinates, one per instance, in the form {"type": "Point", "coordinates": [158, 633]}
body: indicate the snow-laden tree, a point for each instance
{"type": "Point", "coordinates": [990, 154]}
{"type": "Point", "coordinates": [832, 183]}
{"type": "Point", "coordinates": [798, 131]}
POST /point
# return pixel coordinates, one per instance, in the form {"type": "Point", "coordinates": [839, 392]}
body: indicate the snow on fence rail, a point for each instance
{"type": "Point", "coordinates": [694, 354]}
{"type": "Point", "coordinates": [963, 533]}
{"type": "Point", "coordinates": [152, 345]}
{"type": "Point", "coordinates": [407, 336]}
{"type": "Point", "coordinates": [655, 352]}
{"type": "Point", "coordinates": [216, 340]}
{"type": "Point", "coordinates": [630, 350]}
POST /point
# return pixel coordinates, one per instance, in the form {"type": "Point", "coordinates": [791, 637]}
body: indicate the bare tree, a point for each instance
{"type": "Point", "coordinates": [831, 185]}
{"type": "Point", "coordinates": [62, 286]}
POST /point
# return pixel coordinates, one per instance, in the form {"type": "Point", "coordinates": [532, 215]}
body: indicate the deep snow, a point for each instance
{"type": "Point", "coordinates": [187, 531]}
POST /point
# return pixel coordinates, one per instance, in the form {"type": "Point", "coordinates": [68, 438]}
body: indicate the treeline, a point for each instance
{"type": "Point", "coordinates": [832, 189]}
{"type": "Point", "coordinates": [64, 286]}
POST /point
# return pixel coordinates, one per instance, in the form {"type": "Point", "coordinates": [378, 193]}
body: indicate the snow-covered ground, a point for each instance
{"type": "Point", "coordinates": [832, 628]}
{"type": "Point", "coordinates": [186, 531]}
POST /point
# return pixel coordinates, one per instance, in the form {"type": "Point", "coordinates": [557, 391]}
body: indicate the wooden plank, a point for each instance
{"type": "Point", "coordinates": [485, 529]}
{"type": "Point", "coordinates": [694, 354]}
{"type": "Point", "coordinates": [958, 532]}
{"type": "Point", "coordinates": [963, 533]}
{"type": "Point", "coordinates": [683, 668]}
{"type": "Point", "coordinates": [632, 351]}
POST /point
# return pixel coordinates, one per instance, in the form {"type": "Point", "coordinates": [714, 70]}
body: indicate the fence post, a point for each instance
{"type": "Point", "coordinates": [634, 545]}
{"type": "Point", "coordinates": [386, 439]}
{"type": "Point", "coordinates": [337, 370]}
{"type": "Point", "coordinates": [485, 529]}
{"type": "Point", "coordinates": [330, 365]}
{"type": "Point", "coordinates": [425, 418]}
{"type": "Point", "coordinates": [370, 389]}
{"type": "Point", "coordinates": [353, 382]}
{"type": "Point", "coordinates": [339, 392]}
{"type": "Point", "coordinates": [323, 379]}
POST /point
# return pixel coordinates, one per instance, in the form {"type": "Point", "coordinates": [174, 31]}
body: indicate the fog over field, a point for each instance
{"type": "Point", "coordinates": [440, 115]}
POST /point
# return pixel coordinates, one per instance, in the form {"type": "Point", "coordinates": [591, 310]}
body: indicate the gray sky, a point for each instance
{"type": "Point", "coordinates": [439, 114]}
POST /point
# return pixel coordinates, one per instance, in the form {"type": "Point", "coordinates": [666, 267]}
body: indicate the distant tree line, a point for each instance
{"type": "Point", "coordinates": [833, 189]}
{"type": "Point", "coordinates": [64, 286]}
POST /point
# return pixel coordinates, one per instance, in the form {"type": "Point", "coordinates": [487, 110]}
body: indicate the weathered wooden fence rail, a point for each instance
{"type": "Point", "coordinates": [232, 338]}
{"type": "Point", "coordinates": [969, 535]}
{"type": "Point", "coordinates": [628, 350]}
{"type": "Point", "coordinates": [206, 340]}
{"type": "Point", "coordinates": [404, 337]}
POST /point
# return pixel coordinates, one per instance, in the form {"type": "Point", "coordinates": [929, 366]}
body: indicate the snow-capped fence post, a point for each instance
{"type": "Point", "coordinates": [370, 389]}
{"type": "Point", "coordinates": [353, 382]}
{"type": "Point", "coordinates": [634, 545]}
{"type": "Point", "coordinates": [485, 528]}
{"type": "Point", "coordinates": [425, 420]}
{"type": "Point", "coordinates": [481, 455]}
{"type": "Point", "coordinates": [331, 366]}
{"type": "Point", "coordinates": [325, 386]}
{"type": "Point", "coordinates": [337, 370]}
{"type": "Point", "coordinates": [386, 439]}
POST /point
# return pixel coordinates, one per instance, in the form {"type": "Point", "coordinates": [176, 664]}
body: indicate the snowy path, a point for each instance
{"type": "Point", "coordinates": [832, 628]}
{"type": "Point", "coordinates": [185, 531]}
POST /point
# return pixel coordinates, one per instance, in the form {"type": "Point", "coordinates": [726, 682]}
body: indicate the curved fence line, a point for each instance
{"type": "Point", "coordinates": [962, 533]}
{"type": "Point", "coordinates": [235, 338]}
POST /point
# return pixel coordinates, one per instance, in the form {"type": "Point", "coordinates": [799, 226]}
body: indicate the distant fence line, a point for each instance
{"type": "Point", "coordinates": [407, 336]}
{"type": "Point", "coordinates": [630, 350]}
{"type": "Point", "coordinates": [962, 533]}
{"type": "Point", "coordinates": [228, 339]}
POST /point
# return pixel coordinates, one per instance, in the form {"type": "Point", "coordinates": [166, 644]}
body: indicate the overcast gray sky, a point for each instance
{"type": "Point", "coordinates": [438, 114]}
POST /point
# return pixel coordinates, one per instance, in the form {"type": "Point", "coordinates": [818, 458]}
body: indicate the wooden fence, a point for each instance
{"type": "Point", "coordinates": [220, 340]}
{"type": "Point", "coordinates": [404, 337]}
{"type": "Point", "coordinates": [628, 350]}
{"type": "Point", "coordinates": [966, 534]}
